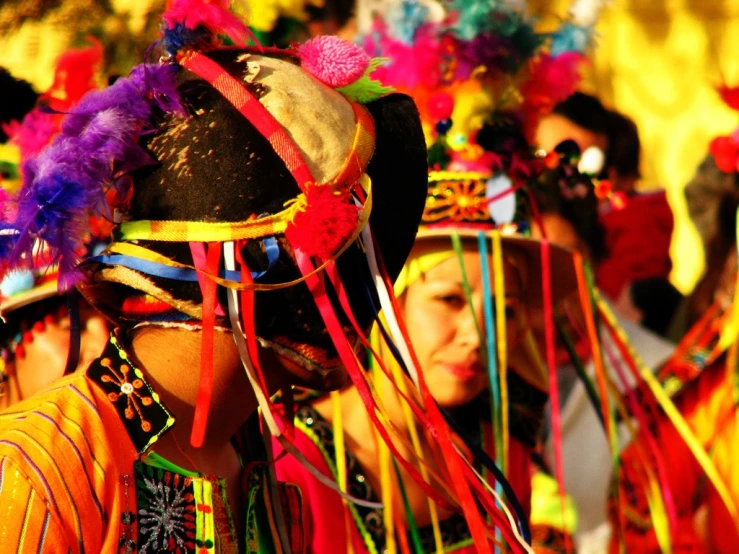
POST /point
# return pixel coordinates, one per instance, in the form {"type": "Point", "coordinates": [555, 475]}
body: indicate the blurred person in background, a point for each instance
{"type": "Point", "coordinates": [635, 273]}
{"type": "Point", "coordinates": [36, 332]}
{"type": "Point", "coordinates": [572, 220]}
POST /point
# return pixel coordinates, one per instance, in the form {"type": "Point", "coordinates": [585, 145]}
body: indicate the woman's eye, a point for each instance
{"type": "Point", "coordinates": [510, 312]}
{"type": "Point", "coordinates": [451, 300]}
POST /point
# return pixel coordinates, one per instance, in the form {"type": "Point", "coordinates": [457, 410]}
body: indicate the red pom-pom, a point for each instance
{"type": "Point", "coordinates": [324, 226]}
{"type": "Point", "coordinates": [440, 106]}
{"type": "Point", "coordinates": [603, 189]}
{"type": "Point", "coordinates": [725, 152]}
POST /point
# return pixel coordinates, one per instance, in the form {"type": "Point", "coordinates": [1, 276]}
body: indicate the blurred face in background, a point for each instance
{"type": "Point", "coordinates": [554, 129]}
{"type": "Point", "coordinates": [447, 331]}
{"type": "Point", "coordinates": [45, 349]}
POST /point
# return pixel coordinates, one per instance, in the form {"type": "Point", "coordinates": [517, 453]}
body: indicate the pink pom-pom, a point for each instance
{"type": "Point", "coordinates": [333, 61]}
{"type": "Point", "coordinates": [325, 225]}
{"type": "Point", "coordinates": [440, 106]}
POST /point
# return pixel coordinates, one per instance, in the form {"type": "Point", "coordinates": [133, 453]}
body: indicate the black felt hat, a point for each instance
{"type": "Point", "coordinates": [213, 165]}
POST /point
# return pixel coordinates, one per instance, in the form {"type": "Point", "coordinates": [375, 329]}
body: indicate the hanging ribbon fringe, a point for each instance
{"type": "Point", "coordinates": [673, 414]}
{"type": "Point", "coordinates": [451, 456]}
{"type": "Point", "coordinates": [269, 414]}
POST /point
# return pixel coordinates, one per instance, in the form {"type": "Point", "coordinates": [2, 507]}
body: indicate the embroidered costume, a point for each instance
{"type": "Point", "coordinates": [683, 493]}
{"type": "Point", "coordinates": [79, 458]}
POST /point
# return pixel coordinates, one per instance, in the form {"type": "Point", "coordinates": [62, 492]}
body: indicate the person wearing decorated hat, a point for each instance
{"type": "Point", "coordinates": [238, 182]}
{"type": "Point", "coordinates": [443, 291]}
{"type": "Point", "coordinates": [36, 330]}
{"type": "Point", "coordinates": [466, 288]}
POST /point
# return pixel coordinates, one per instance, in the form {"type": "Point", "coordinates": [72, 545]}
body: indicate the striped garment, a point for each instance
{"type": "Point", "coordinates": [77, 475]}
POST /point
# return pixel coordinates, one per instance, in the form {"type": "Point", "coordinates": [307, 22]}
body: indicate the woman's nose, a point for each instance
{"type": "Point", "coordinates": [470, 327]}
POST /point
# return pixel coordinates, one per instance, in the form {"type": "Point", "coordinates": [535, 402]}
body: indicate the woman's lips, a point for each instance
{"type": "Point", "coordinates": [464, 372]}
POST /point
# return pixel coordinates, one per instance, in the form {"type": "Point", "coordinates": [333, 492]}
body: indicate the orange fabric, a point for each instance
{"type": "Point", "coordinates": [75, 476]}
{"type": "Point", "coordinates": [59, 471]}
{"type": "Point", "coordinates": [709, 406]}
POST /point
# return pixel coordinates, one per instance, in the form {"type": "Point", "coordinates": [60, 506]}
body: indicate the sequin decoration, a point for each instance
{"type": "Point", "coordinates": [461, 199]}
{"type": "Point", "coordinates": [130, 389]}
{"type": "Point", "coordinates": [166, 511]}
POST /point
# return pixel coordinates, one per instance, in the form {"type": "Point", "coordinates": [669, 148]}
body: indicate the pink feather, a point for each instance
{"type": "Point", "coordinates": [212, 14]}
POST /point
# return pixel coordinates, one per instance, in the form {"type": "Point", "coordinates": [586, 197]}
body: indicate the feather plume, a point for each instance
{"type": "Point", "coordinates": [184, 17]}
{"type": "Point", "coordinates": [74, 76]}
{"type": "Point", "coordinates": [67, 182]}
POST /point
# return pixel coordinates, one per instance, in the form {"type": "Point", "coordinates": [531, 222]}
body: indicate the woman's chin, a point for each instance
{"type": "Point", "coordinates": [454, 397]}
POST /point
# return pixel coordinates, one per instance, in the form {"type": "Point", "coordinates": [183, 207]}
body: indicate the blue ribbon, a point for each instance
{"type": "Point", "coordinates": [271, 247]}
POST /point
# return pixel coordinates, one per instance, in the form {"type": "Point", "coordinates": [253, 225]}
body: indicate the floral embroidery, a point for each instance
{"type": "Point", "coordinates": [129, 389]}
{"type": "Point", "coordinates": [457, 200]}
{"type": "Point", "coordinates": [166, 511]}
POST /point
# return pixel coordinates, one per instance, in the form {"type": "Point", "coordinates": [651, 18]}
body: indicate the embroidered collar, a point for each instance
{"type": "Point", "coordinates": [141, 410]}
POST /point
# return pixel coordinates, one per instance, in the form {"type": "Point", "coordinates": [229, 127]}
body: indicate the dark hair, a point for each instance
{"type": "Point", "coordinates": [585, 111]}
{"type": "Point", "coordinates": [18, 99]}
{"type": "Point", "coordinates": [581, 213]}
{"type": "Point", "coordinates": [624, 146]}
{"type": "Point", "coordinates": [580, 207]}
{"type": "Point", "coordinates": [658, 300]}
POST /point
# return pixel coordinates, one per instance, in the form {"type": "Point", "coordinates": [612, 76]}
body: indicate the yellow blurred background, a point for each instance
{"type": "Point", "coordinates": [658, 61]}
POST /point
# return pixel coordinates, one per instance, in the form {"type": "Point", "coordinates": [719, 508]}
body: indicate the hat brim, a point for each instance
{"type": "Point", "coordinates": [43, 291]}
{"type": "Point", "coordinates": [528, 251]}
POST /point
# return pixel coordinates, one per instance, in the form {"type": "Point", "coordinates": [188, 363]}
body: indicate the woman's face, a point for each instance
{"type": "Point", "coordinates": [45, 357]}
{"type": "Point", "coordinates": [443, 327]}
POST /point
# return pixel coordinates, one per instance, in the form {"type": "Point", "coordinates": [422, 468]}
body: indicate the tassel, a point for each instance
{"type": "Point", "coordinates": [324, 225]}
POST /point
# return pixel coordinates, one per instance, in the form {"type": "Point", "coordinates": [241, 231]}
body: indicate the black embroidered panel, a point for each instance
{"type": "Point", "coordinates": [166, 511]}
{"type": "Point", "coordinates": [141, 411]}
{"type": "Point", "coordinates": [454, 530]}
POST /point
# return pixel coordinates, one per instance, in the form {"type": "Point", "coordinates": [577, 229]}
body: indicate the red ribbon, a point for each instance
{"type": "Point", "coordinates": [546, 276]}
{"type": "Point", "coordinates": [205, 391]}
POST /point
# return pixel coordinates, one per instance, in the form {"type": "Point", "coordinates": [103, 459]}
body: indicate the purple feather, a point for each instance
{"type": "Point", "coordinates": [485, 50]}
{"type": "Point", "coordinates": [66, 183]}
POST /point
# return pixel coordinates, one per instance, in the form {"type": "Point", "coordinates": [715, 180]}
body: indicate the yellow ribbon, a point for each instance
{"type": "Point", "coordinates": [136, 251]}
{"type": "Point", "coordinates": [501, 343]}
{"type": "Point", "coordinates": [677, 420]}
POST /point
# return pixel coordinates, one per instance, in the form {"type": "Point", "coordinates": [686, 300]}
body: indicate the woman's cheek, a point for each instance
{"type": "Point", "coordinates": [427, 335]}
